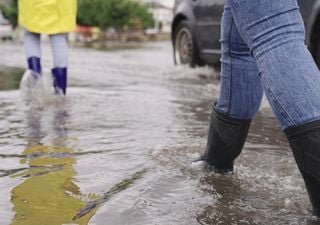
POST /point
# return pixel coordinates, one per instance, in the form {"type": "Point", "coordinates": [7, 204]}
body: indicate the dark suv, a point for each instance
{"type": "Point", "coordinates": [196, 30]}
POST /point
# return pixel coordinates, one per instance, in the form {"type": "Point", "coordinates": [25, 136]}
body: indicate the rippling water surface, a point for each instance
{"type": "Point", "coordinates": [118, 150]}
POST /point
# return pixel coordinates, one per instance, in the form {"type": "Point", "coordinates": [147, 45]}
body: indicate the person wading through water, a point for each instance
{"type": "Point", "coordinates": [264, 51]}
{"type": "Point", "coordinates": [55, 18]}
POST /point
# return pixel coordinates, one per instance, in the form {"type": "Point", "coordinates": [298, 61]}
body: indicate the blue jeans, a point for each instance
{"type": "Point", "coordinates": [59, 46]}
{"type": "Point", "coordinates": [264, 51]}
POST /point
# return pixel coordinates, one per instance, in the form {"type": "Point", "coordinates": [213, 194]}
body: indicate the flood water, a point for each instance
{"type": "Point", "coordinates": [118, 150]}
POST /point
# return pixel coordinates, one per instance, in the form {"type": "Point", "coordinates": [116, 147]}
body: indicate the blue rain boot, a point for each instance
{"type": "Point", "coordinates": [60, 80]}
{"type": "Point", "coordinates": [34, 64]}
{"type": "Point", "coordinates": [32, 76]}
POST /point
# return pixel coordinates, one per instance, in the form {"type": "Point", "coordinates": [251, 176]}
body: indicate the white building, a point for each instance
{"type": "Point", "coordinates": [162, 12]}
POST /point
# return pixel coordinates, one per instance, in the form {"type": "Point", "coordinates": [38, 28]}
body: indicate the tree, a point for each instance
{"type": "Point", "coordinates": [141, 12]}
{"type": "Point", "coordinates": [10, 12]}
{"type": "Point", "coordinates": [113, 13]}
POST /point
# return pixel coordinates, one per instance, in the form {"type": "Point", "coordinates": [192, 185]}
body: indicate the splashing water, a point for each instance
{"type": "Point", "coordinates": [36, 88]}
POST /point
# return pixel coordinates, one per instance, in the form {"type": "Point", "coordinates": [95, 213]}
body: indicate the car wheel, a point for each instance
{"type": "Point", "coordinates": [185, 50]}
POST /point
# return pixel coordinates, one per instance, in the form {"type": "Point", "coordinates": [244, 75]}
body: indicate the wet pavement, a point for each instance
{"type": "Point", "coordinates": [118, 150]}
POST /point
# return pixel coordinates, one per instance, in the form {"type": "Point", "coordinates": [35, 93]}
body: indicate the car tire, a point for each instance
{"type": "Point", "coordinates": [185, 51]}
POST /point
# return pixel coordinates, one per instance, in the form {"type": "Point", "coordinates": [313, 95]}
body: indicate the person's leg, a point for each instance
{"type": "Point", "coordinates": [241, 91]}
{"type": "Point", "coordinates": [240, 97]}
{"type": "Point", "coordinates": [275, 33]}
{"type": "Point", "coordinates": [59, 45]}
{"type": "Point", "coordinates": [33, 51]}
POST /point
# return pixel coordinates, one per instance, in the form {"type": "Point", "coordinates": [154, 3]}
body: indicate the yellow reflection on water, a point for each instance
{"type": "Point", "coordinates": [48, 195]}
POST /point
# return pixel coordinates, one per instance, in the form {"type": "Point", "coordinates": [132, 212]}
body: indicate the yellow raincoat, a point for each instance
{"type": "Point", "coordinates": [48, 16]}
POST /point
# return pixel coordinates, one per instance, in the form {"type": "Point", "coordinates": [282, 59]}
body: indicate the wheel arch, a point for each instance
{"type": "Point", "coordinates": [183, 12]}
{"type": "Point", "coordinates": [177, 20]}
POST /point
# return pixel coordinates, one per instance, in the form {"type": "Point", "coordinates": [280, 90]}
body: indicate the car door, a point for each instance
{"type": "Point", "coordinates": [306, 8]}
{"type": "Point", "coordinates": [208, 15]}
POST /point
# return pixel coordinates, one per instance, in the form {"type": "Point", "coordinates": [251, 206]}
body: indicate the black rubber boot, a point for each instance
{"type": "Point", "coordinates": [225, 141]}
{"type": "Point", "coordinates": [304, 141]}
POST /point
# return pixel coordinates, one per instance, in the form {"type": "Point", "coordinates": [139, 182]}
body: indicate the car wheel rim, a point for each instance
{"type": "Point", "coordinates": [183, 47]}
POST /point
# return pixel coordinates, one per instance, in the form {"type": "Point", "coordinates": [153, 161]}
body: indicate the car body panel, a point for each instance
{"type": "Point", "coordinates": [183, 11]}
{"type": "Point", "coordinates": [205, 15]}
{"type": "Point", "coordinates": [208, 14]}
{"type": "Point", "coordinates": [312, 25]}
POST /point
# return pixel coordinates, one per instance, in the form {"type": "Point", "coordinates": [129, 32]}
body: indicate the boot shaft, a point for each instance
{"type": "Point", "coordinates": [60, 80]}
{"type": "Point", "coordinates": [226, 139]}
{"type": "Point", "coordinates": [304, 141]}
{"type": "Point", "coordinates": [34, 64]}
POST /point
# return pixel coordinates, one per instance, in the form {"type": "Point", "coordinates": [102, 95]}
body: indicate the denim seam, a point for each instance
{"type": "Point", "coordinates": [290, 120]}
{"type": "Point", "coordinates": [230, 77]}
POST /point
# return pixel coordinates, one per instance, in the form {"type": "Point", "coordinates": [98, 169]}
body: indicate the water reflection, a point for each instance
{"type": "Point", "coordinates": [48, 192]}
{"type": "Point", "coordinates": [231, 201]}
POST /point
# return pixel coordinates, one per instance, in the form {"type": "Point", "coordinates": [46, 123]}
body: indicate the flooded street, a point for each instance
{"type": "Point", "coordinates": [119, 149]}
